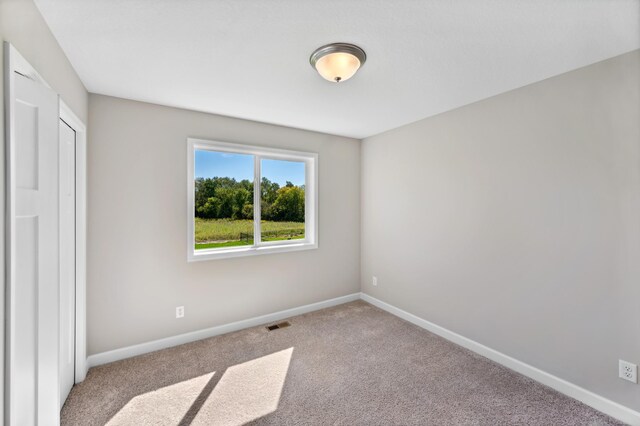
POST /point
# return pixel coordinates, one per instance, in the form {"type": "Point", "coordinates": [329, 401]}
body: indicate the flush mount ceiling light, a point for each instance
{"type": "Point", "coordinates": [337, 62]}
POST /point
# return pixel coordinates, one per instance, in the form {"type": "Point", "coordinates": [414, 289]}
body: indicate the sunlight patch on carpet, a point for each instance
{"type": "Point", "coordinates": [167, 405]}
{"type": "Point", "coordinates": [246, 391]}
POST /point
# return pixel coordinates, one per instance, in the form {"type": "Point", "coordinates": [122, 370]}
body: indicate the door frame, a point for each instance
{"type": "Point", "coordinates": [14, 63]}
{"type": "Point", "coordinates": [81, 240]}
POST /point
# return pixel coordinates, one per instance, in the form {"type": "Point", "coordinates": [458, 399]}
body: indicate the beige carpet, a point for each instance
{"type": "Point", "coordinates": [349, 365]}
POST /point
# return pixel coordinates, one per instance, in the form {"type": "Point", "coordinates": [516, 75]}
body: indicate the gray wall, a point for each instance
{"type": "Point", "coordinates": [137, 227]}
{"type": "Point", "coordinates": [515, 221]}
{"type": "Point", "coordinates": [23, 26]}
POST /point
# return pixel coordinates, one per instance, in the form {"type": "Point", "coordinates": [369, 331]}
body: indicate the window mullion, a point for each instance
{"type": "Point", "coordinates": [308, 204]}
{"type": "Point", "coordinates": [257, 237]}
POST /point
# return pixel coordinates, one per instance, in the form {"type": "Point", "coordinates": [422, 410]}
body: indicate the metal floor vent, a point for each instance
{"type": "Point", "coordinates": [279, 325]}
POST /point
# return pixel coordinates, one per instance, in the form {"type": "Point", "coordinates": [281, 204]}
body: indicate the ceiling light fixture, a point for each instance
{"type": "Point", "coordinates": [337, 62]}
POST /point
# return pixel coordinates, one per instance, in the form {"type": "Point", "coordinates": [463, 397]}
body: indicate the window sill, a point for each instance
{"type": "Point", "coordinates": [213, 254]}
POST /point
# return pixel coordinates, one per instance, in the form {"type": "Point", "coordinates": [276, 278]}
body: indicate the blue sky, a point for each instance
{"type": "Point", "coordinates": [240, 166]}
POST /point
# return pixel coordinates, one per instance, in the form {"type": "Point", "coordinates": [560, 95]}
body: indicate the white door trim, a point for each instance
{"type": "Point", "coordinates": [13, 62]}
{"type": "Point", "coordinates": [81, 239]}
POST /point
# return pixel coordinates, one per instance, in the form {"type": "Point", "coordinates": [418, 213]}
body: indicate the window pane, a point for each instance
{"type": "Point", "coordinates": [282, 200]}
{"type": "Point", "coordinates": [223, 199]}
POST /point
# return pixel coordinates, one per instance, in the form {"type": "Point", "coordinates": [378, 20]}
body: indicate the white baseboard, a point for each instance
{"type": "Point", "coordinates": [589, 398]}
{"type": "Point", "coordinates": [143, 348]}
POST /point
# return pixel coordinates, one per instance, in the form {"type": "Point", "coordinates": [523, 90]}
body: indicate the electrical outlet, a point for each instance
{"type": "Point", "coordinates": [628, 371]}
{"type": "Point", "coordinates": [374, 281]}
{"type": "Point", "coordinates": [180, 312]}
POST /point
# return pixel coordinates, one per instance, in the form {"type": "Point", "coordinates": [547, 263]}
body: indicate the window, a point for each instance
{"type": "Point", "coordinates": [246, 200]}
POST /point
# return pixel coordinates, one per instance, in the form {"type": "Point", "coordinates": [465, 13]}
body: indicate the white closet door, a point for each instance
{"type": "Point", "coordinates": [34, 256]}
{"type": "Point", "coordinates": [67, 258]}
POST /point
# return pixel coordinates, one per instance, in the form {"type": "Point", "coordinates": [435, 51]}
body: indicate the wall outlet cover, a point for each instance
{"type": "Point", "coordinates": [628, 371]}
{"type": "Point", "coordinates": [180, 312]}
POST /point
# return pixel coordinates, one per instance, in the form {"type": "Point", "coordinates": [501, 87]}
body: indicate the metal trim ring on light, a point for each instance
{"type": "Point", "coordinates": [327, 49]}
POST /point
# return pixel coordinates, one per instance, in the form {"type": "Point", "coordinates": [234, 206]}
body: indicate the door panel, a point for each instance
{"type": "Point", "coordinates": [27, 149]}
{"type": "Point", "coordinates": [26, 306]}
{"type": "Point", "coordinates": [67, 258]}
{"type": "Point", "coordinates": [34, 257]}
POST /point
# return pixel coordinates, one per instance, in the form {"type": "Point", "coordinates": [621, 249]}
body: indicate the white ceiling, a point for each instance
{"type": "Point", "coordinates": [249, 58]}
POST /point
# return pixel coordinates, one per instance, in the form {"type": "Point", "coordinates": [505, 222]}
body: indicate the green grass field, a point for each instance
{"type": "Point", "coordinates": [216, 233]}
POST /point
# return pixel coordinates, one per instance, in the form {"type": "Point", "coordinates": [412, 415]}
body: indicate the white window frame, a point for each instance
{"type": "Point", "coordinates": [310, 240]}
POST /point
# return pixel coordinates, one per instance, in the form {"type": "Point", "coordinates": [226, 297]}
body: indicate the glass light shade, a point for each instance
{"type": "Point", "coordinates": [337, 62]}
{"type": "Point", "coordinates": [338, 66]}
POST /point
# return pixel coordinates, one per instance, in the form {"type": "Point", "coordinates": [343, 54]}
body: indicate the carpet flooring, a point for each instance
{"type": "Point", "coordinates": [353, 364]}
